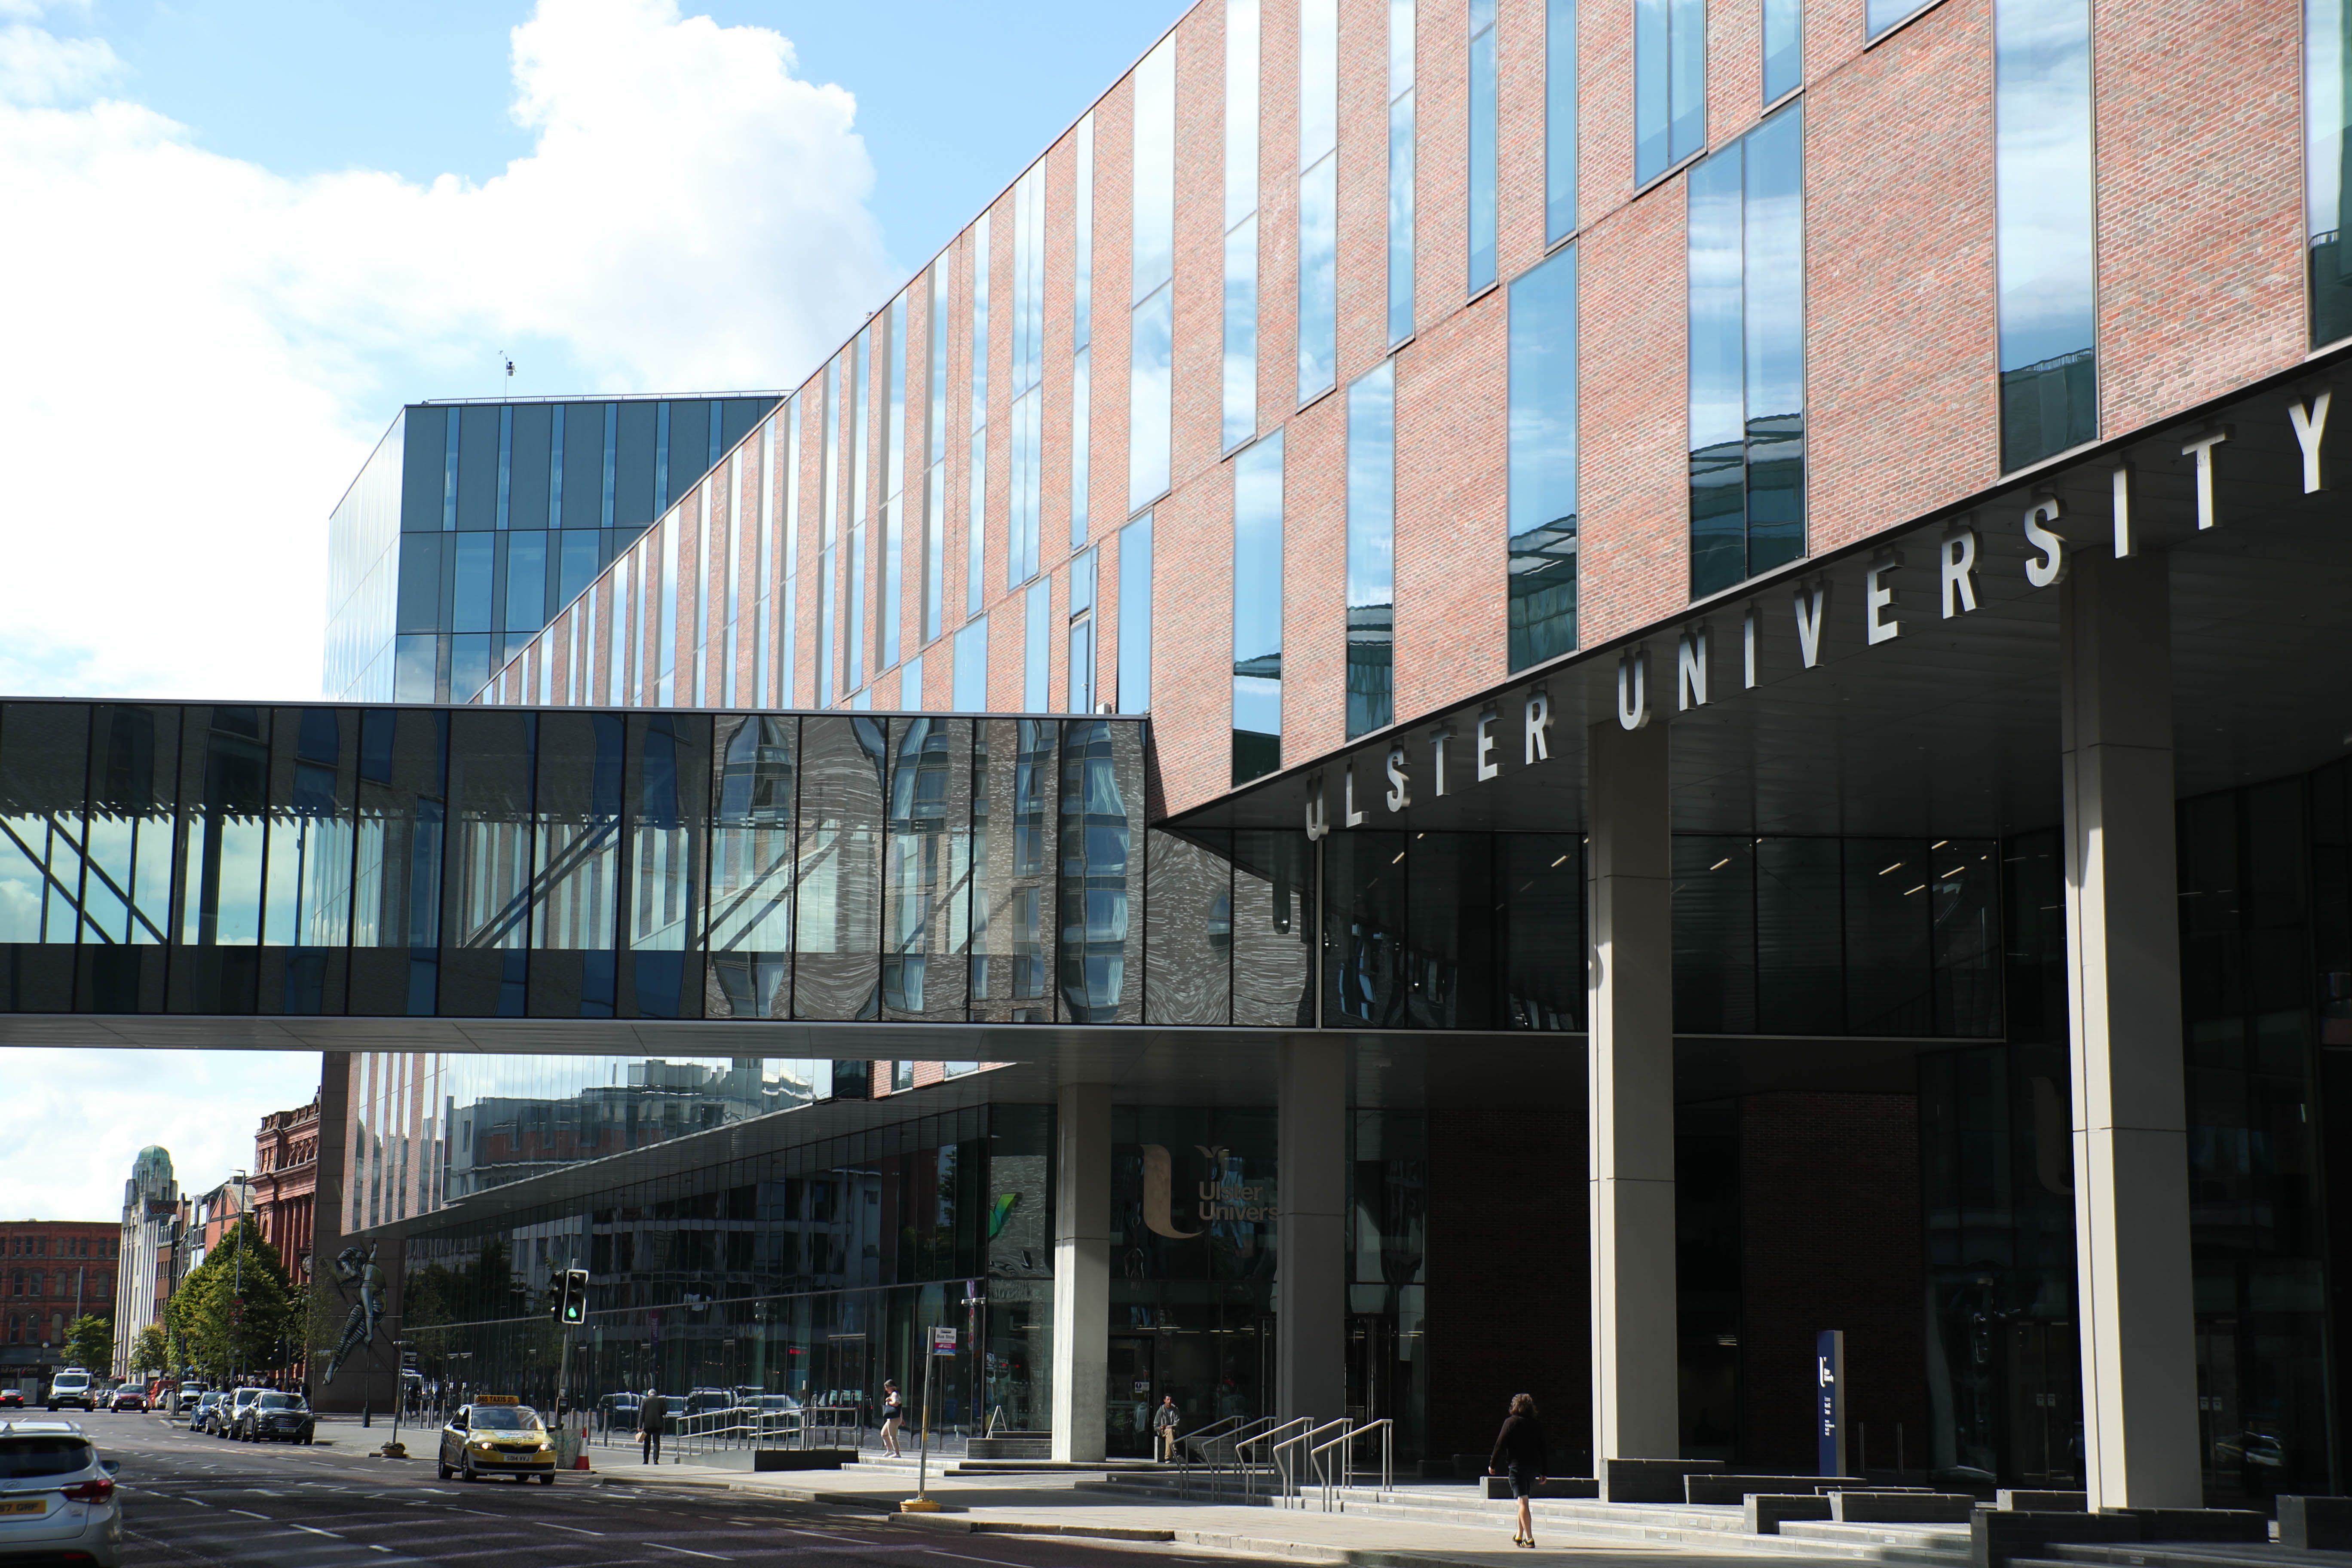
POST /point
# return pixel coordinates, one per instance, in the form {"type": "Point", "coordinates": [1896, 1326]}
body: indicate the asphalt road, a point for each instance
{"type": "Point", "coordinates": [199, 1500]}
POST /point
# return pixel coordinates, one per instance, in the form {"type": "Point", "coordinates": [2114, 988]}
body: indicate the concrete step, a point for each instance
{"type": "Point", "coordinates": [1939, 1544]}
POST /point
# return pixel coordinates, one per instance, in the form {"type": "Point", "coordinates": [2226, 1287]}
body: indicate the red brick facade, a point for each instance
{"type": "Point", "coordinates": [51, 1272]}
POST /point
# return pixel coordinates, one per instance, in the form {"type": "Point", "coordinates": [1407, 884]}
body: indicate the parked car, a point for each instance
{"type": "Point", "coordinates": [129, 1397]}
{"type": "Point", "coordinates": [56, 1496]}
{"type": "Point", "coordinates": [72, 1387]}
{"type": "Point", "coordinates": [618, 1412]}
{"type": "Point", "coordinates": [701, 1399]}
{"type": "Point", "coordinates": [275, 1418]}
{"type": "Point", "coordinates": [225, 1419]}
{"type": "Point", "coordinates": [12, 1399]}
{"type": "Point", "coordinates": [208, 1409]}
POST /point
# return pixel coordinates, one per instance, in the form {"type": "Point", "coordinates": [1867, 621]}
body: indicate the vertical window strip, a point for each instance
{"type": "Point", "coordinates": [1401, 50]}
{"type": "Point", "coordinates": [1257, 610]}
{"type": "Point", "coordinates": [666, 615]}
{"type": "Point", "coordinates": [1560, 117]}
{"type": "Point", "coordinates": [2044, 227]}
{"type": "Point", "coordinates": [705, 534]}
{"type": "Point", "coordinates": [828, 691]}
{"type": "Point", "coordinates": [788, 463]}
{"type": "Point", "coordinates": [661, 457]}
{"type": "Point", "coordinates": [1669, 84]}
{"type": "Point", "coordinates": [732, 632]}
{"type": "Point", "coordinates": [893, 487]}
{"type": "Point", "coordinates": [1082, 334]}
{"type": "Point", "coordinates": [449, 472]}
{"type": "Point", "coordinates": [861, 397]}
{"type": "Point", "coordinates": [1784, 64]}
{"type": "Point", "coordinates": [555, 466]}
{"type": "Point", "coordinates": [935, 488]}
{"type": "Point", "coordinates": [1541, 567]}
{"type": "Point", "coordinates": [1319, 197]}
{"type": "Point", "coordinates": [2328, 128]}
{"type": "Point", "coordinates": [1747, 356]}
{"type": "Point", "coordinates": [1080, 666]}
{"type": "Point", "coordinates": [617, 597]}
{"type": "Point", "coordinates": [763, 647]}
{"type": "Point", "coordinates": [1151, 322]}
{"type": "Point", "coordinates": [506, 464]}
{"type": "Point", "coordinates": [1134, 694]}
{"type": "Point", "coordinates": [1027, 444]}
{"type": "Point", "coordinates": [1037, 642]}
{"type": "Point", "coordinates": [976, 474]}
{"type": "Point", "coordinates": [1482, 143]}
{"type": "Point", "coordinates": [1242, 61]}
{"type": "Point", "coordinates": [1371, 549]}
{"type": "Point", "coordinates": [611, 457]}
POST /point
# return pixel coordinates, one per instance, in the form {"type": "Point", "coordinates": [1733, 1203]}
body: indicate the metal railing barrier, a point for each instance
{"type": "Point", "coordinates": [1344, 1465]}
{"type": "Point", "coordinates": [1271, 1434]}
{"type": "Point", "coordinates": [1288, 1469]}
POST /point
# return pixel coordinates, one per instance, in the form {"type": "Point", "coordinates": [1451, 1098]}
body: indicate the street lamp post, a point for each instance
{"type": "Point", "coordinates": [237, 1320]}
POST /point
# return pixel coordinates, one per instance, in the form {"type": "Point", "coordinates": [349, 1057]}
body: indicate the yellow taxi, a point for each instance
{"type": "Point", "coordinates": [497, 1436]}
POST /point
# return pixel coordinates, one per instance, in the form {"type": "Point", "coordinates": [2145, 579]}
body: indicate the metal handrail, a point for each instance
{"type": "Point", "coordinates": [1290, 1476]}
{"type": "Point", "coordinates": [1194, 1444]}
{"type": "Point", "coordinates": [1249, 1477]}
{"type": "Point", "coordinates": [1346, 1443]}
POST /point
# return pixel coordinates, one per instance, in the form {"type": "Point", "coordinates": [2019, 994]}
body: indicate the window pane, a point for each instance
{"type": "Point", "coordinates": [2042, 116]}
{"type": "Point", "coordinates": [971, 675]}
{"type": "Point", "coordinates": [1135, 616]}
{"type": "Point", "coordinates": [1241, 332]}
{"type": "Point", "coordinates": [1400, 130]}
{"type": "Point", "coordinates": [1543, 470]}
{"type": "Point", "coordinates": [1318, 300]}
{"type": "Point", "coordinates": [1257, 610]}
{"type": "Point", "coordinates": [1150, 405]}
{"type": "Point", "coordinates": [1784, 48]}
{"type": "Point", "coordinates": [1155, 168]}
{"type": "Point", "coordinates": [1371, 540]}
{"type": "Point", "coordinates": [753, 866]}
{"type": "Point", "coordinates": [1773, 239]}
{"type": "Point", "coordinates": [2326, 60]}
{"type": "Point", "coordinates": [1037, 633]}
{"type": "Point", "coordinates": [1560, 119]}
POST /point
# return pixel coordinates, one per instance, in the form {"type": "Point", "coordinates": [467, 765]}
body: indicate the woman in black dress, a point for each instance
{"type": "Point", "coordinates": [1519, 1454]}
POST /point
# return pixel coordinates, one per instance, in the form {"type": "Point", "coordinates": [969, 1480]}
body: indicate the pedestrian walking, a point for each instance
{"type": "Point", "coordinates": [651, 1417]}
{"type": "Point", "coordinates": [1519, 1454]}
{"type": "Point", "coordinates": [893, 1408]}
{"type": "Point", "coordinates": [1164, 1421]}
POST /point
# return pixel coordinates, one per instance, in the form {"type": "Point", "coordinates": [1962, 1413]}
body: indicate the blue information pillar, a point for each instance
{"type": "Point", "coordinates": [1829, 1399]}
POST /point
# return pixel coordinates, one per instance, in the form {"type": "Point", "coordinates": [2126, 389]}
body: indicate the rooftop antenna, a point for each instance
{"type": "Point", "coordinates": [509, 359]}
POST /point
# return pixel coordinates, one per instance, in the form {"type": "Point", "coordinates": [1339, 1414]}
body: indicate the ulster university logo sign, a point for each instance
{"type": "Point", "coordinates": [1222, 1199]}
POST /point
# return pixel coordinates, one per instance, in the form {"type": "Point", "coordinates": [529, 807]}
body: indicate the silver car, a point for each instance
{"type": "Point", "coordinates": [56, 1496]}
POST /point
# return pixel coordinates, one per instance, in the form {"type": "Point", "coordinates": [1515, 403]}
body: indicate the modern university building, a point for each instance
{"type": "Point", "coordinates": [1535, 697]}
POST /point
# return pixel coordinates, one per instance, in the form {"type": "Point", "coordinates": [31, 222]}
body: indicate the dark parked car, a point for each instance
{"type": "Point", "coordinates": [618, 1412]}
{"type": "Point", "coordinates": [12, 1399]}
{"type": "Point", "coordinates": [275, 1418]}
{"type": "Point", "coordinates": [233, 1407]}
{"type": "Point", "coordinates": [205, 1410]}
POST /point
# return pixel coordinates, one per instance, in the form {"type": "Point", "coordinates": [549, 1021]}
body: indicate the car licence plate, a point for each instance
{"type": "Point", "coordinates": [30, 1505]}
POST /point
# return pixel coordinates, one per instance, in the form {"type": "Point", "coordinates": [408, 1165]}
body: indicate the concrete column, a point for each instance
{"type": "Point", "coordinates": [1310, 1313]}
{"type": "Point", "coordinates": [1081, 1270]}
{"type": "Point", "coordinates": [1636, 1395]}
{"type": "Point", "coordinates": [2133, 1279]}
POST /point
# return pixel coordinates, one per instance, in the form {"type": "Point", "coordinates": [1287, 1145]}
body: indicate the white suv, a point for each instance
{"type": "Point", "coordinates": [71, 1386]}
{"type": "Point", "coordinates": [56, 1496]}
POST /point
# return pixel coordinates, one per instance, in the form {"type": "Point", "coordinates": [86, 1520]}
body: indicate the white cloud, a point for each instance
{"type": "Point", "coordinates": [200, 350]}
{"type": "Point", "coordinates": [78, 1118]}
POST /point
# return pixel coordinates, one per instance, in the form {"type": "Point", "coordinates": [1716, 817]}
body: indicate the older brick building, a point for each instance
{"type": "Point", "coordinates": [51, 1272]}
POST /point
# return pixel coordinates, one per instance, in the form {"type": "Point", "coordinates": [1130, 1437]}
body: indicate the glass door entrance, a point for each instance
{"type": "Point", "coordinates": [1130, 1392]}
{"type": "Point", "coordinates": [2045, 1405]}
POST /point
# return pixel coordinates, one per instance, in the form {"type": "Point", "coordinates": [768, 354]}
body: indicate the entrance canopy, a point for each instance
{"type": "Point", "coordinates": [1909, 684]}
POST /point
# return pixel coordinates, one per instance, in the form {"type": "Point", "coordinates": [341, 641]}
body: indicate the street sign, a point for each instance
{"type": "Point", "coordinates": [943, 1341]}
{"type": "Point", "coordinates": [1829, 1399]}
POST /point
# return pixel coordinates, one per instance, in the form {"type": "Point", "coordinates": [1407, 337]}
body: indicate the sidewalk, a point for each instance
{"type": "Point", "coordinates": [1052, 1504]}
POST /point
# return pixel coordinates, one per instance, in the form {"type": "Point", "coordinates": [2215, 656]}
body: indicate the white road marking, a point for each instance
{"type": "Point", "coordinates": [250, 1514]}
{"type": "Point", "coordinates": [328, 1534]}
{"type": "Point", "coordinates": [691, 1552]}
{"type": "Point", "coordinates": [967, 1557]}
{"type": "Point", "coordinates": [572, 1528]}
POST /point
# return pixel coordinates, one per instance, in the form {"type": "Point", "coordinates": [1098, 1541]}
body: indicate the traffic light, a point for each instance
{"type": "Point", "coordinates": [574, 1308]}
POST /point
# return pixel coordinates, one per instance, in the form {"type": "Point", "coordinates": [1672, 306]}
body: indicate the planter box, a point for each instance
{"type": "Point", "coordinates": [801, 1459]}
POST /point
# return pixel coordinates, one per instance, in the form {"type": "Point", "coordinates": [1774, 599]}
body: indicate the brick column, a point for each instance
{"type": "Point", "coordinates": [2133, 1278]}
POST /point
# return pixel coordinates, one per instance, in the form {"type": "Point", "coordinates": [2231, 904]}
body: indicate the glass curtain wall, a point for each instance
{"type": "Point", "coordinates": [975, 582]}
{"type": "Point", "coordinates": [1669, 85]}
{"type": "Point", "coordinates": [1402, 47]}
{"type": "Point", "coordinates": [1560, 119]}
{"type": "Point", "coordinates": [1319, 197]}
{"type": "Point", "coordinates": [1372, 550]}
{"type": "Point", "coordinates": [809, 1275]}
{"type": "Point", "coordinates": [1151, 318]}
{"type": "Point", "coordinates": [1021, 554]}
{"type": "Point", "coordinates": [1082, 325]}
{"type": "Point", "coordinates": [1483, 131]}
{"type": "Point", "coordinates": [1387, 1256]}
{"type": "Point", "coordinates": [1241, 222]}
{"type": "Point", "coordinates": [1257, 610]}
{"type": "Point", "coordinates": [1543, 510]}
{"type": "Point", "coordinates": [1747, 356]}
{"type": "Point", "coordinates": [2046, 229]}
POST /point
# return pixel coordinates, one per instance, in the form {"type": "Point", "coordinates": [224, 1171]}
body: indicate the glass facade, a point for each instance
{"type": "Point", "coordinates": [935, 480]}
{"type": "Point", "coordinates": [1241, 222]}
{"type": "Point", "coordinates": [471, 525]}
{"type": "Point", "coordinates": [1257, 610]}
{"type": "Point", "coordinates": [1560, 119]}
{"type": "Point", "coordinates": [2046, 231]}
{"type": "Point", "coordinates": [894, 479]}
{"type": "Point", "coordinates": [811, 1273]}
{"type": "Point", "coordinates": [1784, 48]}
{"type": "Point", "coordinates": [1881, 15]}
{"type": "Point", "coordinates": [1747, 356]}
{"type": "Point", "coordinates": [1079, 669]}
{"type": "Point", "coordinates": [483, 862]}
{"type": "Point", "coordinates": [1319, 197]}
{"type": "Point", "coordinates": [1151, 319]}
{"type": "Point", "coordinates": [1542, 547]}
{"type": "Point", "coordinates": [1028, 394]}
{"type": "Point", "coordinates": [1483, 131]}
{"type": "Point", "coordinates": [1371, 549]}
{"type": "Point", "coordinates": [1135, 616]}
{"type": "Point", "coordinates": [975, 589]}
{"type": "Point", "coordinates": [1082, 328]}
{"type": "Point", "coordinates": [1402, 47]}
{"type": "Point", "coordinates": [1669, 85]}
{"type": "Point", "coordinates": [1036, 647]}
